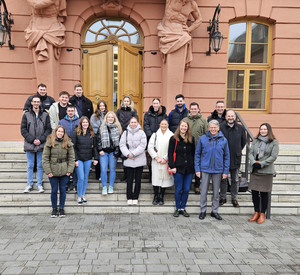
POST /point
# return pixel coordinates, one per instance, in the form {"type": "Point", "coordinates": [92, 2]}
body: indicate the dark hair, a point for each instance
{"type": "Point", "coordinates": [71, 107]}
{"type": "Point", "coordinates": [98, 112]}
{"type": "Point", "coordinates": [156, 98]}
{"type": "Point", "coordinates": [220, 101]}
{"type": "Point", "coordinates": [77, 86]}
{"type": "Point", "coordinates": [271, 136]}
{"type": "Point", "coordinates": [79, 129]}
{"type": "Point", "coordinates": [42, 85]}
{"type": "Point", "coordinates": [188, 136]}
{"type": "Point", "coordinates": [194, 104]}
{"type": "Point", "coordinates": [36, 96]}
{"type": "Point", "coordinates": [179, 96]}
{"type": "Point", "coordinates": [64, 93]}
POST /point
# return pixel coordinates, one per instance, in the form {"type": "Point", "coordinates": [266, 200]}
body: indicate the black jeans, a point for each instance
{"type": "Point", "coordinates": [260, 199]}
{"type": "Point", "coordinates": [134, 173]}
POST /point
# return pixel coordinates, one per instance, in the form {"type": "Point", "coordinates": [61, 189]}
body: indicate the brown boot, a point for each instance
{"type": "Point", "coordinates": [255, 217]}
{"type": "Point", "coordinates": [261, 218]}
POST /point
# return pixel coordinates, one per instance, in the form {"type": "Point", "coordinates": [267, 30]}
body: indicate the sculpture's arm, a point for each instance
{"type": "Point", "coordinates": [197, 16]}
{"type": "Point", "coordinates": [40, 4]}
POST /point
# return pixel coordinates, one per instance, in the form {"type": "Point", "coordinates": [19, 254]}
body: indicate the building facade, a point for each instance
{"type": "Point", "coordinates": [112, 48]}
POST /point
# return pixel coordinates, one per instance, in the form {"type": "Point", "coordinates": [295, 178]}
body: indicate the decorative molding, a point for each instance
{"type": "Point", "coordinates": [112, 5]}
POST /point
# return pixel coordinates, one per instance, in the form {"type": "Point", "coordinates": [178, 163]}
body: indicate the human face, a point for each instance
{"type": "Point", "coordinates": [42, 91]}
{"type": "Point", "coordinates": [126, 101]}
{"type": "Point", "coordinates": [180, 102]}
{"type": "Point", "coordinates": [263, 130]}
{"type": "Point", "coordinates": [63, 99]}
{"type": "Point", "coordinates": [71, 112]}
{"type": "Point", "coordinates": [183, 128]}
{"type": "Point", "coordinates": [85, 124]}
{"type": "Point", "coordinates": [102, 107]}
{"type": "Point", "coordinates": [230, 117]}
{"type": "Point", "coordinates": [213, 129]}
{"type": "Point", "coordinates": [220, 108]}
{"type": "Point", "coordinates": [110, 118]}
{"type": "Point", "coordinates": [194, 110]}
{"type": "Point", "coordinates": [133, 123]}
{"type": "Point", "coordinates": [78, 91]}
{"type": "Point", "coordinates": [60, 132]}
{"type": "Point", "coordinates": [155, 105]}
{"type": "Point", "coordinates": [35, 102]}
{"type": "Point", "coordinates": [164, 126]}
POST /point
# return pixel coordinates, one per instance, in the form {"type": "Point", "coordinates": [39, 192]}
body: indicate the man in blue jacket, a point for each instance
{"type": "Point", "coordinates": [212, 160]}
{"type": "Point", "coordinates": [70, 121]}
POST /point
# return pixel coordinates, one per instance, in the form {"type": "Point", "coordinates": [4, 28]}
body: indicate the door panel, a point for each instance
{"type": "Point", "coordinates": [130, 75]}
{"type": "Point", "coordinates": [97, 74]}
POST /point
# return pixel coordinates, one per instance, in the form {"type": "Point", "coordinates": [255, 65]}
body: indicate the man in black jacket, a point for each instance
{"type": "Point", "coordinates": [236, 137]}
{"type": "Point", "coordinates": [219, 113]}
{"type": "Point", "coordinates": [46, 101]}
{"type": "Point", "coordinates": [83, 105]}
{"type": "Point", "coordinates": [177, 114]}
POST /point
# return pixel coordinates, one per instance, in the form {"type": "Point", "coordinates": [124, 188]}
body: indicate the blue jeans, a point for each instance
{"type": "Point", "coordinates": [30, 166]}
{"type": "Point", "coordinates": [82, 171]}
{"type": "Point", "coordinates": [108, 160]}
{"type": "Point", "coordinates": [61, 183]}
{"type": "Point", "coordinates": [182, 188]}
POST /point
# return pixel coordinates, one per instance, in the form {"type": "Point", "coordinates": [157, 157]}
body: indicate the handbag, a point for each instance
{"type": "Point", "coordinates": [174, 158]}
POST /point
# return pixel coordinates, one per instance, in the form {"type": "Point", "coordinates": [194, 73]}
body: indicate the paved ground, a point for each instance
{"type": "Point", "coordinates": [148, 244]}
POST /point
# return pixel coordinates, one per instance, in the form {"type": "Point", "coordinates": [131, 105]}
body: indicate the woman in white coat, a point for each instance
{"type": "Point", "coordinates": [158, 150]}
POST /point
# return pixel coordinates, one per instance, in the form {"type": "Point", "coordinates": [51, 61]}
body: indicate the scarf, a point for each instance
{"type": "Point", "coordinates": [262, 146]}
{"type": "Point", "coordinates": [110, 133]}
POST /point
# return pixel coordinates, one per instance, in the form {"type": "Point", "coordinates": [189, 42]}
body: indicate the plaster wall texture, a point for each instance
{"type": "Point", "coordinates": [204, 82]}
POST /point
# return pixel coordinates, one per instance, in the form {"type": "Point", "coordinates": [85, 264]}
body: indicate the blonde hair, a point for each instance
{"type": "Point", "coordinates": [79, 129]}
{"type": "Point", "coordinates": [188, 136]}
{"type": "Point", "coordinates": [115, 122]}
{"type": "Point", "coordinates": [52, 138]}
{"type": "Point", "coordinates": [131, 105]}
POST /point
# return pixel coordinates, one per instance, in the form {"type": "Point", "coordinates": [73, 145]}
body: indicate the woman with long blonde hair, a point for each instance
{"type": "Point", "coordinates": [108, 147]}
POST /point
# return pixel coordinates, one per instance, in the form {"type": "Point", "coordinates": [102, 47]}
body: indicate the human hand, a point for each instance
{"type": "Point", "coordinates": [50, 175]}
{"type": "Point", "coordinates": [36, 142]}
{"type": "Point", "coordinates": [101, 153]}
{"type": "Point", "coordinates": [224, 176]}
{"type": "Point", "coordinates": [68, 174]}
{"type": "Point", "coordinates": [198, 174]}
{"type": "Point", "coordinates": [95, 162]}
{"type": "Point", "coordinates": [76, 163]}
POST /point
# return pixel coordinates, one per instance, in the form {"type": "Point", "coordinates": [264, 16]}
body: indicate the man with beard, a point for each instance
{"type": "Point", "coordinates": [177, 114]}
{"type": "Point", "coordinates": [236, 137]}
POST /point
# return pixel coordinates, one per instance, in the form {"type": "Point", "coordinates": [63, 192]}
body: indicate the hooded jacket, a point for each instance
{"type": "Point", "coordinates": [198, 125]}
{"type": "Point", "coordinates": [175, 116]}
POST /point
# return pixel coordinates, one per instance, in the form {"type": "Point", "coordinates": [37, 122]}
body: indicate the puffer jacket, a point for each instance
{"type": "Point", "coordinates": [212, 154]}
{"type": "Point", "coordinates": [46, 101]}
{"type": "Point", "coordinates": [85, 147]}
{"type": "Point", "coordinates": [57, 160]}
{"type": "Point", "coordinates": [175, 116]}
{"type": "Point", "coordinates": [124, 114]}
{"type": "Point", "coordinates": [137, 142]}
{"type": "Point", "coordinates": [198, 125]}
{"type": "Point", "coordinates": [35, 128]}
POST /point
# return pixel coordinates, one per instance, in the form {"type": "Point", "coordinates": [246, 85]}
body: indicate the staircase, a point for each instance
{"type": "Point", "coordinates": [285, 194]}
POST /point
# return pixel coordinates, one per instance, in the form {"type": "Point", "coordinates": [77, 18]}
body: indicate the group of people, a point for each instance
{"type": "Point", "coordinates": [176, 147]}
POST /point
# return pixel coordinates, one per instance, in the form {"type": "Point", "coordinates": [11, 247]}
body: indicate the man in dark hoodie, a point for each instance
{"type": "Point", "coordinates": [46, 101]}
{"type": "Point", "coordinates": [219, 113]}
{"type": "Point", "coordinates": [177, 114]}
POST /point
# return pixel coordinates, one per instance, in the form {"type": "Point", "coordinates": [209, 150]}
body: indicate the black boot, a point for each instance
{"type": "Point", "coordinates": [161, 196]}
{"type": "Point", "coordinates": [155, 199]}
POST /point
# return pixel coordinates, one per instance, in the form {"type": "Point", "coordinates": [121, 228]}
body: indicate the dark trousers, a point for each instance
{"type": "Point", "coordinates": [61, 183]}
{"type": "Point", "coordinates": [134, 173]}
{"type": "Point", "coordinates": [197, 182]}
{"type": "Point", "coordinates": [260, 201]}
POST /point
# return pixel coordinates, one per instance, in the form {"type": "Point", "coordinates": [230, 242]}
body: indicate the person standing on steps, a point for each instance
{"type": "Point", "coordinates": [219, 113]}
{"type": "Point", "coordinates": [178, 113]}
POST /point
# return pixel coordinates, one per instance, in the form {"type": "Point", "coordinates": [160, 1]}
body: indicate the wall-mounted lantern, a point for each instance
{"type": "Point", "coordinates": [5, 25]}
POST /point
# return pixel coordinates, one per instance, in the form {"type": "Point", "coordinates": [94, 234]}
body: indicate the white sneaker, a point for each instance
{"type": "Point", "coordinates": [129, 202]}
{"type": "Point", "coordinates": [27, 189]}
{"type": "Point", "coordinates": [79, 201]}
{"type": "Point", "coordinates": [40, 189]}
{"type": "Point", "coordinates": [110, 190]}
{"type": "Point", "coordinates": [83, 199]}
{"type": "Point", "coordinates": [135, 202]}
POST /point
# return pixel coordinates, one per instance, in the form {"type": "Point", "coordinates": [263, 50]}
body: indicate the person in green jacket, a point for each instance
{"type": "Point", "coordinates": [58, 163]}
{"type": "Point", "coordinates": [198, 126]}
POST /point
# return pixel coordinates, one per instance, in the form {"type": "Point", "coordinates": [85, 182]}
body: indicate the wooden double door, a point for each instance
{"type": "Point", "coordinates": [111, 71]}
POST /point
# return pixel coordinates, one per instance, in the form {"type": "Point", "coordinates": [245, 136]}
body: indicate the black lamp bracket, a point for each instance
{"type": "Point", "coordinates": [213, 26]}
{"type": "Point", "coordinates": [7, 22]}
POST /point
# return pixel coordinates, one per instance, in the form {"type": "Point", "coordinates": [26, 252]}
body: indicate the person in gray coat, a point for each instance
{"type": "Point", "coordinates": [132, 145]}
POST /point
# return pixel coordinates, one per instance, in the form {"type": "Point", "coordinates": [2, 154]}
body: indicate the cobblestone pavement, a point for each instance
{"type": "Point", "coordinates": [148, 244]}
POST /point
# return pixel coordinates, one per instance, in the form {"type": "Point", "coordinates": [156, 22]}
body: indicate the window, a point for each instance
{"type": "Point", "coordinates": [249, 66]}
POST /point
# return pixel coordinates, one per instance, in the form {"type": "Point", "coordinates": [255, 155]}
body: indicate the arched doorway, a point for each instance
{"type": "Point", "coordinates": [112, 62]}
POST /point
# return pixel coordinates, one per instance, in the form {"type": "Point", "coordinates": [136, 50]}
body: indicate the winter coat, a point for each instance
{"type": "Point", "coordinates": [87, 106]}
{"type": "Point", "coordinates": [54, 114]}
{"type": "Point", "coordinates": [96, 123]}
{"type": "Point", "coordinates": [198, 125]}
{"type": "Point", "coordinates": [137, 142]}
{"type": "Point", "coordinates": [158, 147]}
{"type": "Point", "coordinates": [124, 114]}
{"type": "Point", "coordinates": [214, 115]}
{"type": "Point", "coordinates": [236, 138]}
{"type": "Point", "coordinates": [267, 161]}
{"type": "Point", "coordinates": [57, 160]}
{"type": "Point", "coordinates": [185, 152]}
{"type": "Point", "coordinates": [69, 124]}
{"type": "Point", "coordinates": [212, 155]}
{"type": "Point", "coordinates": [175, 116]}
{"type": "Point", "coordinates": [35, 128]}
{"type": "Point", "coordinates": [152, 120]}
{"type": "Point", "coordinates": [85, 147]}
{"type": "Point", "coordinates": [46, 101]}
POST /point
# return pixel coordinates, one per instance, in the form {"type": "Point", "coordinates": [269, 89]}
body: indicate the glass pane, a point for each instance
{"type": "Point", "coordinates": [135, 39]}
{"type": "Point", "coordinates": [113, 22]}
{"type": "Point", "coordinates": [89, 37]}
{"type": "Point", "coordinates": [235, 99]}
{"type": "Point", "coordinates": [237, 32]}
{"type": "Point", "coordinates": [124, 38]}
{"type": "Point", "coordinates": [120, 31]}
{"type": "Point", "coordinates": [256, 99]}
{"type": "Point", "coordinates": [259, 33]}
{"type": "Point", "coordinates": [129, 28]}
{"type": "Point", "coordinates": [236, 53]}
{"type": "Point", "coordinates": [101, 37]}
{"type": "Point", "coordinates": [235, 79]}
{"type": "Point", "coordinates": [113, 30]}
{"type": "Point", "coordinates": [258, 79]}
{"type": "Point", "coordinates": [259, 53]}
{"type": "Point", "coordinates": [96, 26]}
